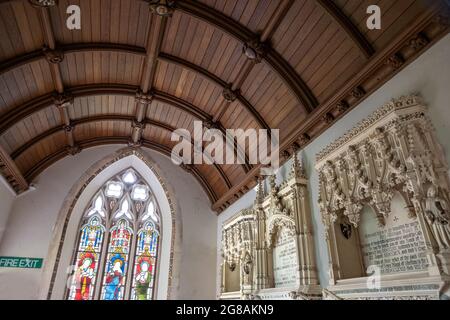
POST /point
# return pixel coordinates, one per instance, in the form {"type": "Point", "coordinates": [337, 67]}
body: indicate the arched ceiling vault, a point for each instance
{"type": "Point", "coordinates": [131, 76]}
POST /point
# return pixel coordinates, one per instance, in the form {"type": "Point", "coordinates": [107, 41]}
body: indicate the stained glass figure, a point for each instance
{"type": "Point", "coordinates": [91, 239]}
{"type": "Point", "coordinates": [145, 262]}
{"type": "Point", "coordinates": [116, 261]}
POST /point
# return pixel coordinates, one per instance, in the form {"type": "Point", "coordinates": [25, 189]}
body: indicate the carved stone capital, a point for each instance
{"type": "Point", "coordinates": [255, 50]}
{"type": "Point", "coordinates": [163, 8]}
{"type": "Point", "coordinates": [53, 56]}
{"type": "Point", "coordinates": [228, 94]}
{"type": "Point", "coordinates": [62, 100]}
{"type": "Point", "coordinates": [43, 3]}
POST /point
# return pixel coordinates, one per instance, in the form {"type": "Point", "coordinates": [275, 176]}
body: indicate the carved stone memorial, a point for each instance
{"type": "Point", "coordinates": [268, 250]}
{"type": "Point", "coordinates": [384, 200]}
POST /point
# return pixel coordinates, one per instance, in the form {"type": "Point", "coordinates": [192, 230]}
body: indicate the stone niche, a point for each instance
{"type": "Point", "coordinates": [384, 200]}
{"type": "Point", "coordinates": [268, 249]}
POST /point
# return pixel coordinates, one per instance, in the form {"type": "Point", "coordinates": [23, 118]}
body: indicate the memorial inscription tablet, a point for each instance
{"type": "Point", "coordinates": [396, 247]}
{"type": "Point", "coordinates": [285, 262]}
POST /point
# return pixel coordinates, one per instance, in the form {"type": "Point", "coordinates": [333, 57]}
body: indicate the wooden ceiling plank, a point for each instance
{"type": "Point", "coordinates": [244, 35]}
{"type": "Point", "coordinates": [347, 25]}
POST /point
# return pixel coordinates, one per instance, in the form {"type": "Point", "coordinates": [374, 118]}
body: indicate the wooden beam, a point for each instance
{"type": "Point", "coordinates": [347, 26]}
{"type": "Point", "coordinates": [89, 143]}
{"type": "Point", "coordinates": [276, 19]}
{"type": "Point", "coordinates": [244, 35]}
{"type": "Point", "coordinates": [88, 47]}
{"type": "Point", "coordinates": [112, 117]}
{"type": "Point", "coordinates": [11, 172]}
{"type": "Point", "coordinates": [54, 58]}
{"type": "Point", "coordinates": [65, 49]}
{"type": "Point", "coordinates": [19, 113]}
{"type": "Point", "coordinates": [154, 43]}
{"type": "Point", "coordinates": [218, 81]}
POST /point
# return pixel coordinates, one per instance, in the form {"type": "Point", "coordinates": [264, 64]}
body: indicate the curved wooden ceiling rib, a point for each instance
{"type": "Point", "coordinates": [217, 19]}
{"type": "Point", "coordinates": [347, 26]}
{"type": "Point", "coordinates": [30, 57]}
{"type": "Point", "coordinates": [114, 47]}
{"type": "Point", "coordinates": [213, 78]}
{"type": "Point", "coordinates": [19, 113]}
{"type": "Point", "coordinates": [112, 117]}
{"type": "Point", "coordinates": [90, 47]}
{"type": "Point", "coordinates": [244, 35]}
{"type": "Point", "coordinates": [89, 143]}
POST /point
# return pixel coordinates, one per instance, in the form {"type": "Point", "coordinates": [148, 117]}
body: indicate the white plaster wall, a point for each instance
{"type": "Point", "coordinates": [6, 200]}
{"type": "Point", "coordinates": [30, 227]}
{"type": "Point", "coordinates": [429, 75]}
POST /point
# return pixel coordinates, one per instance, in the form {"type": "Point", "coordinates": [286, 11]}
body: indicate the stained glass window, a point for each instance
{"type": "Point", "coordinates": [119, 229]}
{"type": "Point", "coordinates": [145, 259]}
{"type": "Point", "coordinates": [88, 253]}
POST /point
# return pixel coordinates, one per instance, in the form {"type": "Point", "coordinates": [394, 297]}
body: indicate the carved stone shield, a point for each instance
{"type": "Point", "coordinates": [346, 230]}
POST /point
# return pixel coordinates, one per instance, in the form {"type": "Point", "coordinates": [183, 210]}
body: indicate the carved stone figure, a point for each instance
{"type": "Point", "coordinates": [438, 217]}
{"type": "Point", "coordinates": [247, 269]}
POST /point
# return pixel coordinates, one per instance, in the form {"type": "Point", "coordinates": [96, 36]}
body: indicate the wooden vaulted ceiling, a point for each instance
{"type": "Point", "coordinates": [131, 76]}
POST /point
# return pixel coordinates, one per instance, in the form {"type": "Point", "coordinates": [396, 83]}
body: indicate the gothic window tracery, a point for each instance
{"type": "Point", "coordinates": [118, 244]}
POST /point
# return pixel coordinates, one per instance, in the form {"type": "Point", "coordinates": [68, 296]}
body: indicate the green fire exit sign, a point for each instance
{"type": "Point", "coordinates": [20, 262]}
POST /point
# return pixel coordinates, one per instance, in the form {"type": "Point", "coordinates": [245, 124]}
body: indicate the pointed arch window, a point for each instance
{"type": "Point", "coordinates": [118, 243]}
